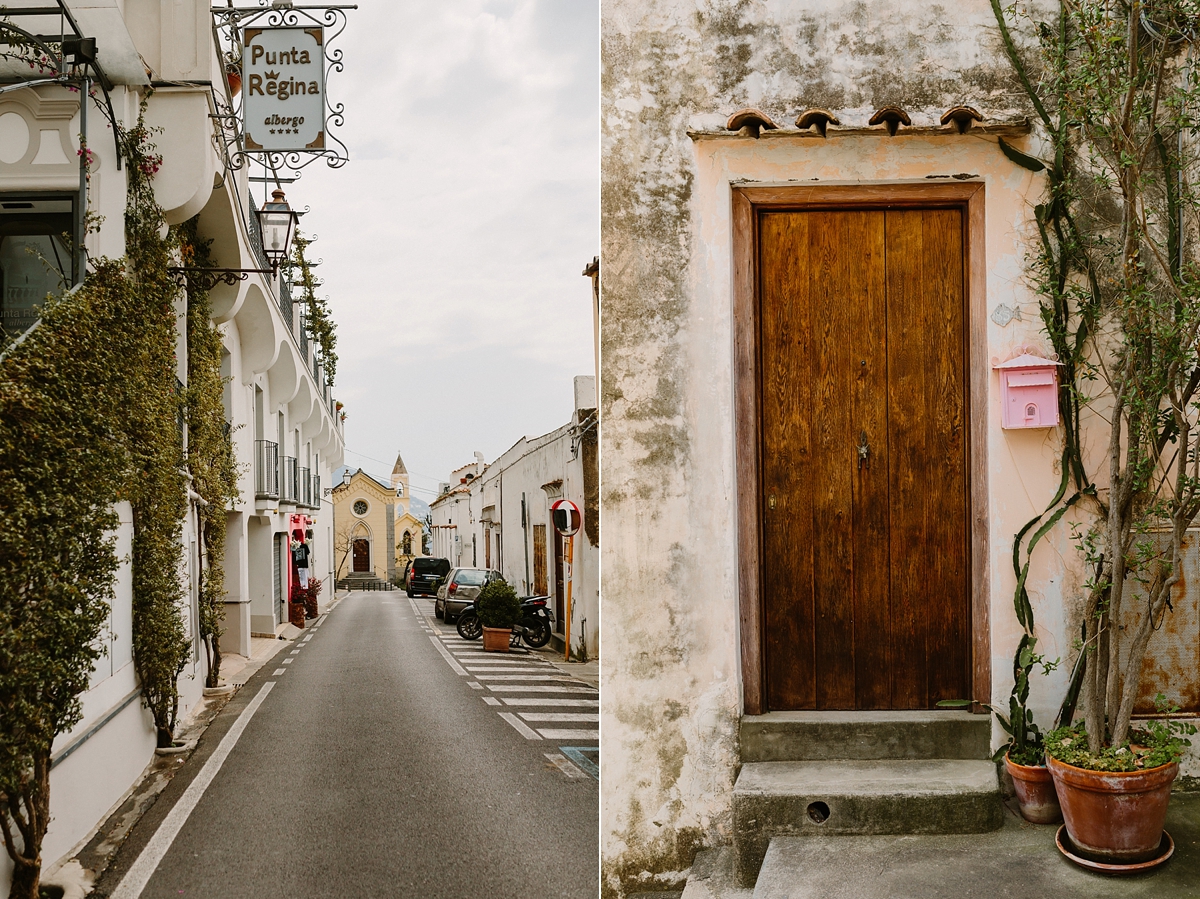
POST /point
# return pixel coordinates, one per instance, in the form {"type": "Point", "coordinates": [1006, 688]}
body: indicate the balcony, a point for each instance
{"type": "Point", "coordinates": [304, 481]}
{"type": "Point", "coordinates": [266, 470]}
{"type": "Point", "coordinates": [316, 491]}
{"type": "Point", "coordinates": [289, 487]}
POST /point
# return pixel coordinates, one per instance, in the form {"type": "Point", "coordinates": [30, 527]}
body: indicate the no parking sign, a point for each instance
{"type": "Point", "coordinates": [566, 517]}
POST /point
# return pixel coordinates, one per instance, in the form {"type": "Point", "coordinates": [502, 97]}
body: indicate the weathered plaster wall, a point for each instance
{"type": "Point", "coordinates": [672, 692]}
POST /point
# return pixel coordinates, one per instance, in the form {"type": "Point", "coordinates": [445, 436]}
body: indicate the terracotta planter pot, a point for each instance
{"type": "Point", "coordinates": [495, 639]}
{"type": "Point", "coordinates": [1114, 816]}
{"type": "Point", "coordinates": [296, 613]}
{"type": "Point", "coordinates": [235, 81]}
{"type": "Point", "coordinates": [1035, 792]}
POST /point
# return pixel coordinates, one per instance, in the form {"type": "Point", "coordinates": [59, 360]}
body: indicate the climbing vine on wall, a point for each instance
{"type": "Point", "coordinates": [321, 326]}
{"type": "Point", "coordinates": [158, 489]}
{"type": "Point", "coordinates": [89, 417]}
{"type": "Point", "coordinates": [210, 457]}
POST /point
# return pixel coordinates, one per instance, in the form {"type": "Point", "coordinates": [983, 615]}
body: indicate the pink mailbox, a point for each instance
{"type": "Point", "coordinates": [1029, 392]}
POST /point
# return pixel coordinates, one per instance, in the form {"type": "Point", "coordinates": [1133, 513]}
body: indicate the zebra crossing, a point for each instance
{"type": "Point", "coordinates": [537, 699]}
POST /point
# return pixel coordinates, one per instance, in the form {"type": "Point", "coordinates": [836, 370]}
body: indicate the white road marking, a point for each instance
{"type": "Point", "coordinates": [522, 728]}
{"type": "Point", "coordinates": [537, 688]}
{"type": "Point", "coordinates": [554, 677]}
{"type": "Point", "coordinates": [491, 700]}
{"type": "Point", "coordinates": [287, 661]}
{"type": "Point", "coordinates": [294, 652]}
{"type": "Point", "coordinates": [474, 686]}
{"type": "Point", "coordinates": [565, 765]}
{"type": "Point", "coordinates": [143, 869]}
{"type": "Point", "coordinates": [561, 716]}
{"type": "Point", "coordinates": [546, 700]}
{"type": "Point", "coordinates": [553, 734]}
{"type": "Point", "coordinates": [279, 671]}
{"type": "Point", "coordinates": [458, 669]}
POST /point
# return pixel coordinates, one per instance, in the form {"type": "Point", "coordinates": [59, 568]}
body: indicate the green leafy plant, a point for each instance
{"type": "Point", "coordinates": [89, 417]}
{"type": "Point", "coordinates": [1157, 743]}
{"type": "Point", "coordinates": [1115, 99]}
{"type": "Point", "coordinates": [318, 318]}
{"type": "Point", "coordinates": [210, 458]}
{"type": "Point", "coordinates": [499, 605]}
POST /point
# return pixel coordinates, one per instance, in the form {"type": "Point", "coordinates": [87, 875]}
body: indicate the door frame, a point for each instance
{"type": "Point", "coordinates": [747, 203]}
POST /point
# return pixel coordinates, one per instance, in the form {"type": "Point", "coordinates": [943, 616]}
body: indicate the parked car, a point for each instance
{"type": "Point", "coordinates": [459, 590]}
{"type": "Point", "coordinates": [423, 576]}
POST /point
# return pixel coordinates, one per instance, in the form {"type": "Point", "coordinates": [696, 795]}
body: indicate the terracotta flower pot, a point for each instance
{"type": "Point", "coordinates": [296, 613]}
{"type": "Point", "coordinates": [1035, 792]}
{"type": "Point", "coordinates": [495, 639]}
{"type": "Point", "coordinates": [1114, 816]}
{"type": "Point", "coordinates": [235, 81]}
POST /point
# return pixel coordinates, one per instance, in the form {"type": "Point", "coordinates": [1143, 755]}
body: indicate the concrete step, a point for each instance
{"type": "Point", "coordinates": [890, 796]}
{"type": "Point", "coordinates": [818, 736]}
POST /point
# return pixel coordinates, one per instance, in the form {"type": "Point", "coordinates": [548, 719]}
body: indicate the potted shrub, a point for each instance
{"type": "Point", "coordinates": [1024, 754]}
{"type": "Point", "coordinates": [1114, 801]}
{"type": "Point", "coordinates": [311, 608]}
{"type": "Point", "coordinates": [499, 610]}
{"type": "Point", "coordinates": [1114, 264]}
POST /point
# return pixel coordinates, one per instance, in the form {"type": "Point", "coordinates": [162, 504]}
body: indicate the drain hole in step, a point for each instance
{"type": "Point", "coordinates": [818, 812]}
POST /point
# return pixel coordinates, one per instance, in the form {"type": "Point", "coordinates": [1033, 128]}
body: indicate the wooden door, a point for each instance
{"type": "Point", "coordinates": [362, 554]}
{"type": "Point", "coordinates": [863, 505]}
{"type": "Point", "coordinates": [539, 560]}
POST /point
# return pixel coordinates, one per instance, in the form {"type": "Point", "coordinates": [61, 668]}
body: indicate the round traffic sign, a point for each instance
{"type": "Point", "coordinates": [566, 517]}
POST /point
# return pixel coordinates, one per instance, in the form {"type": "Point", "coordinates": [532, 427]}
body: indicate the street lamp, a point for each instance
{"type": "Point", "coordinates": [346, 476]}
{"type": "Point", "coordinates": [278, 224]}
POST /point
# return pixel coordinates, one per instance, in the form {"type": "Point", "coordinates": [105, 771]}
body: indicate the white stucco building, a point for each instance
{"type": "Point", "coordinates": [814, 251]}
{"type": "Point", "coordinates": [286, 435]}
{"type": "Point", "coordinates": [498, 516]}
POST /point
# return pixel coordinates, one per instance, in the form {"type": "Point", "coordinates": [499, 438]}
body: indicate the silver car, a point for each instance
{"type": "Point", "coordinates": [459, 589]}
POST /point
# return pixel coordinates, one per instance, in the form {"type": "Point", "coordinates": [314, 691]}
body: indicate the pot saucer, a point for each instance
{"type": "Point", "coordinates": [1166, 848]}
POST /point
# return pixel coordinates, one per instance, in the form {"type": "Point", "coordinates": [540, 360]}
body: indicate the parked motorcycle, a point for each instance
{"type": "Point", "coordinates": [533, 628]}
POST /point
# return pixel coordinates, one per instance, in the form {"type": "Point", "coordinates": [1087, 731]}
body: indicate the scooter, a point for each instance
{"type": "Point", "coordinates": [533, 628]}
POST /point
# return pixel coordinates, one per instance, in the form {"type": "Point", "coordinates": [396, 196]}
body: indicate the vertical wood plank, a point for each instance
{"type": "Point", "coordinates": [833, 274]}
{"type": "Point", "coordinates": [868, 337]}
{"type": "Point", "coordinates": [747, 424]}
{"type": "Point", "coordinates": [977, 444]}
{"type": "Point", "coordinates": [908, 472]}
{"type": "Point", "coordinates": [947, 594]}
{"type": "Point", "coordinates": [786, 460]}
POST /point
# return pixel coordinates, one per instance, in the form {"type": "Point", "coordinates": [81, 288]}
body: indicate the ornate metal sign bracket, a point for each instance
{"type": "Point", "coordinates": [208, 278]}
{"type": "Point", "coordinates": [231, 23]}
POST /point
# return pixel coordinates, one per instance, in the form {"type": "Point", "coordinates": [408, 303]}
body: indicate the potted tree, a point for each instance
{"type": "Point", "coordinates": [499, 610]}
{"type": "Point", "coordinates": [1115, 266]}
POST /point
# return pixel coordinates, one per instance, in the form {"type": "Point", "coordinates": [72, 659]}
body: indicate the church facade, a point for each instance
{"type": "Point", "coordinates": [375, 530]}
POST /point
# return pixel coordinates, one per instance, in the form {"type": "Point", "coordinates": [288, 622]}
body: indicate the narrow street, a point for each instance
{"type": "Point", "coordinates": [382, 755]}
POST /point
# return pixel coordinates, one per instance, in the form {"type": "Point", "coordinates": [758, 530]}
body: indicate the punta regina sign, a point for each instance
{"type": "Point", "coordinates": [283, 102]}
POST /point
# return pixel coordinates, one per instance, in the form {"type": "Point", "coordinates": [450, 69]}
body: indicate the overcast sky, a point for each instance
{"type": "Point", "coordinates": [454, 240]}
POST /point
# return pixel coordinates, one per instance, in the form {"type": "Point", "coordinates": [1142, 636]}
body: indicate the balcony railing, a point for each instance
{"type": "Point", "coordinates": [316, 491]}
{"type": "Point", "coordinates": [304, 481]}
{"type": "Point", "coordinates": [285, 301]}
{"type": "Point", "coordinates": [289, 486]}
{"type": "Point", "coordinates": [266, 470]}
{"type": "Point", "coordinates": [256, 236]}
{"type": "Point", "coordinates": [304, 338]}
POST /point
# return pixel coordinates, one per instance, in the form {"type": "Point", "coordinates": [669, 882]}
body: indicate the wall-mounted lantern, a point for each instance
{"type": "Point", "coordinates": [278, 221]}
{"type": "Point", "coordinates": [1028, 391]}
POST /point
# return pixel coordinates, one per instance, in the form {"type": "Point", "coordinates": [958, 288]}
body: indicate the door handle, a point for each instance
{"type": "Point", "coordinates": [864, 452]}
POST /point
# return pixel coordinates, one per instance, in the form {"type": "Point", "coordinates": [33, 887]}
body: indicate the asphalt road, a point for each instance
{"type": "Point", "coordinates": [372, 768]}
